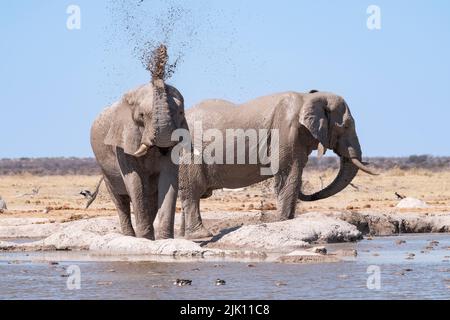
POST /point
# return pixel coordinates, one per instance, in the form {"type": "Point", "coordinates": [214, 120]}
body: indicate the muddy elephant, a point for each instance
{"type": "Point", "coordinates": [304, 122]}
{"type": "Point", "coordinates": [131, 141]}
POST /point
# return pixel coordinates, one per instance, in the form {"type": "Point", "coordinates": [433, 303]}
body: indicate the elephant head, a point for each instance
{"type": "Point", "coordinates": [147, 117]}
{"type": "Point", "coordinates": [327, 117]}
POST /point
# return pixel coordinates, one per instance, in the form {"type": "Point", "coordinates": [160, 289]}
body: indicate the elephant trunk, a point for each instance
{"type": "Point", "coordinates": [159, 131]}
{"type": "Point", "coordinates": [349, 167]}
{"type": "Point", "coordinates": [346, 174]}
{"type": "Point", "coordinates": [163, 123]}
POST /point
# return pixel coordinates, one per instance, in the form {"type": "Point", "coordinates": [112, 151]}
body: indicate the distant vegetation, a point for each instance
{"type": "Point", "coordinates": [88, 166]}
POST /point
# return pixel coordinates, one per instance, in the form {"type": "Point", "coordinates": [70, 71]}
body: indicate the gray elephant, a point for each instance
{"type": "Point", "coordinates": [131, 141]}
{"type": "Point", "coordinates": [305, 122]}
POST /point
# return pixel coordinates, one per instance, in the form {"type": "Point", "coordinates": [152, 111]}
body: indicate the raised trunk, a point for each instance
{"type": "Point", "coordinates": [163, 125]}
{"type": "Point", "coordinates": [346, 174]}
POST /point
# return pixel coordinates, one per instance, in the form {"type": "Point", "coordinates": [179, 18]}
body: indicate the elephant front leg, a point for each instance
{"type": "Point", "coordinates": [167, 198]}
{"type": "Point", "coordinates": [144, 200]}
{"type": "Point", "coordinates": [287, 187]}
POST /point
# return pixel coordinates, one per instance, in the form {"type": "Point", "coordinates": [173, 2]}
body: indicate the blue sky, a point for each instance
{"type": "Point", "coordinates": [396, 80]}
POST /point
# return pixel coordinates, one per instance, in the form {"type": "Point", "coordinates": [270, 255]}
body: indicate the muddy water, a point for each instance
{"type": "Point", "coordinates": [425, 275]}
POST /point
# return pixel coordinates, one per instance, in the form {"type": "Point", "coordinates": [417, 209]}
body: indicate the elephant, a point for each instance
{"type": "Point", "coordinates": [305, 122]}
{"type": "Point", "coordinates": [132, 140]}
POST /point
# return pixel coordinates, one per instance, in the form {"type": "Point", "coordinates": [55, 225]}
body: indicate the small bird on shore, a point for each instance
{"type": "Point", "coordinates": [86, 193]}
{"type": "Point", "coordinates": [182, 282]}
{"type": "Point", "coordinates": [399, 196]}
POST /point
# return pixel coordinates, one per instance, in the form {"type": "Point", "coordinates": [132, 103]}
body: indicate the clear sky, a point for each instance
{"type": "Point", "coordinates": [396, 80]}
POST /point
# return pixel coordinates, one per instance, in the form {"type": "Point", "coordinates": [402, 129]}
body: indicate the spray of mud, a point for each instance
{"type": "Point", "coordinates": [146, 25]}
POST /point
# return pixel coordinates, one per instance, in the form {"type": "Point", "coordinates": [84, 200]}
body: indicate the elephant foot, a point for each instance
{"type": "Point", "coordinates": [164, 236]}
{"type": "Point", "coordinates": [199, 233]}
{"type": "Point", "coordinates": [147, 235]}
{"type": "Point", "coordinates": [129, 233]}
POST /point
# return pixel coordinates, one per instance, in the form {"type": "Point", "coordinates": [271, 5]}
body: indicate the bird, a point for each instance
{"type": "Point", "coordinates": [91, 196]}
{"type": "Point", "coordinates": [2, 205]}
{"type": "Point", "coordinates": [399, 196]}
{"type": "Point", "coordinates": [220, 282]}
{"type": "Point", "coordinates": [182, 282]}
{"type": "Point", "coordinates": [86, 193]}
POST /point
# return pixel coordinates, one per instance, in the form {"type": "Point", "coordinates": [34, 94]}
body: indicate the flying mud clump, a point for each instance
{"type": "Point", "coordinates": [144, 26]}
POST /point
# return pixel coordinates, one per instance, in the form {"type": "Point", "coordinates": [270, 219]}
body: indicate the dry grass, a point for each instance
{"type": "Point", "coordinates": [59, 196]}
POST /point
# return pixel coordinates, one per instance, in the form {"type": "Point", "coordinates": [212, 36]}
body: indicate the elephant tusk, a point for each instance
{"type": "Point", "coordinates": [321, 150]}
{"type": "Point", "coordinates": [142, 151]}
{"type": "Point", "coordinates": [363, 167]}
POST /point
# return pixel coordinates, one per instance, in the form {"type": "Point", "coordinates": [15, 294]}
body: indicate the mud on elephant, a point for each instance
{"type": "Point", "coordinates": [131, 141]}
{"type": "Point", "coordinates": [305, 122]}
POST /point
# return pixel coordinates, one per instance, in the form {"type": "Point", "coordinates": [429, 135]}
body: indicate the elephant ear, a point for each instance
{"type": "Point", "coordinates": [314, 117]}
{"type": "Point", "coordinates": [123, 131]}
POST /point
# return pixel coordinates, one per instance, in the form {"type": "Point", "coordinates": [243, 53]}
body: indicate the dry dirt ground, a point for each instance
{"type": "Point", "coordinates": [58, 196]}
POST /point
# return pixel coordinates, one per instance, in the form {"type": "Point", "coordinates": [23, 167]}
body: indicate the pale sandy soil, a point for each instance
{"type": "Point", "coordinates": [58, 197]}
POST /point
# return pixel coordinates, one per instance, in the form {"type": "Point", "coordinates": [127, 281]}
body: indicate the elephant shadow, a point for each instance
{"type": "Point", "coordinates": [220, 235]}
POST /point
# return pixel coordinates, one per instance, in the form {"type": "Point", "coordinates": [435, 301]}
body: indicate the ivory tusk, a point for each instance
{"type": "Point", "coordinates": [142, 151]}
{"type": "Point", "coordinates": [321, 150]}
{"type": "Point", "coordinates": [361, 166]}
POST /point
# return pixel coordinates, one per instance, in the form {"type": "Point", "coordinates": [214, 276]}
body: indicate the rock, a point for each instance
{"type": "Point", "coordinates": [378, 224]}
{"type": "Point", "coordinates": [400, 242]}
{"type": "Point", "coordinates": [305, 256]}
{"type": "Point", "coordinates": [3, 206]}
{"type": "Point", "coordinates": [291, 234]}
{"type": "Point", "coordinates": [412, 203]}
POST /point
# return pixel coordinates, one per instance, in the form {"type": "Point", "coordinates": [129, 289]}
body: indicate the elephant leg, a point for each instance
{"type": "Point", "coordinates": [167, 198]}
{"type": "Point", "coordinates": [122, 203]}
{"type": "Point", "coordinates": [287, 188]}
{"type": "Point", "coordinates": [143, 195]}
{"type": "Point", "coordinates": [183, 223]}
{"type": "Point", "coordinates": [194, 228]}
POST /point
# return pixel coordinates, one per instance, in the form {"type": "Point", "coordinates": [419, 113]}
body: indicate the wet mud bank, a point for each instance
{"type": "Point", "coordinates": [238, 235]}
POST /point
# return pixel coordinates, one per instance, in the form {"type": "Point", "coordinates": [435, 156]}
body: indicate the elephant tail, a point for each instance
{"type": "Point", "coordinates": [95, 194]}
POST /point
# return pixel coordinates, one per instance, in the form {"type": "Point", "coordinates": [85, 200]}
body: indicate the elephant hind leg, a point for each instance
{"type": "Point", "coordinates": [192, 225]}
{"type": "Point", "coordinates": [122, 203]}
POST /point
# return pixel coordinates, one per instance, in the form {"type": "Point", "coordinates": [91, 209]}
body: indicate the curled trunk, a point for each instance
{"type": "Point", "coordinates": [345, 176]}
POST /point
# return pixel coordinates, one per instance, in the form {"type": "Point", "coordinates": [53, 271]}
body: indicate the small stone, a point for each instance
{"type": "Point", "coordinates": [53, 263]}
{"type": "Point", "coordinates": [400, 242]}
{"type": "Point", "coordinates": [251, 266]}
